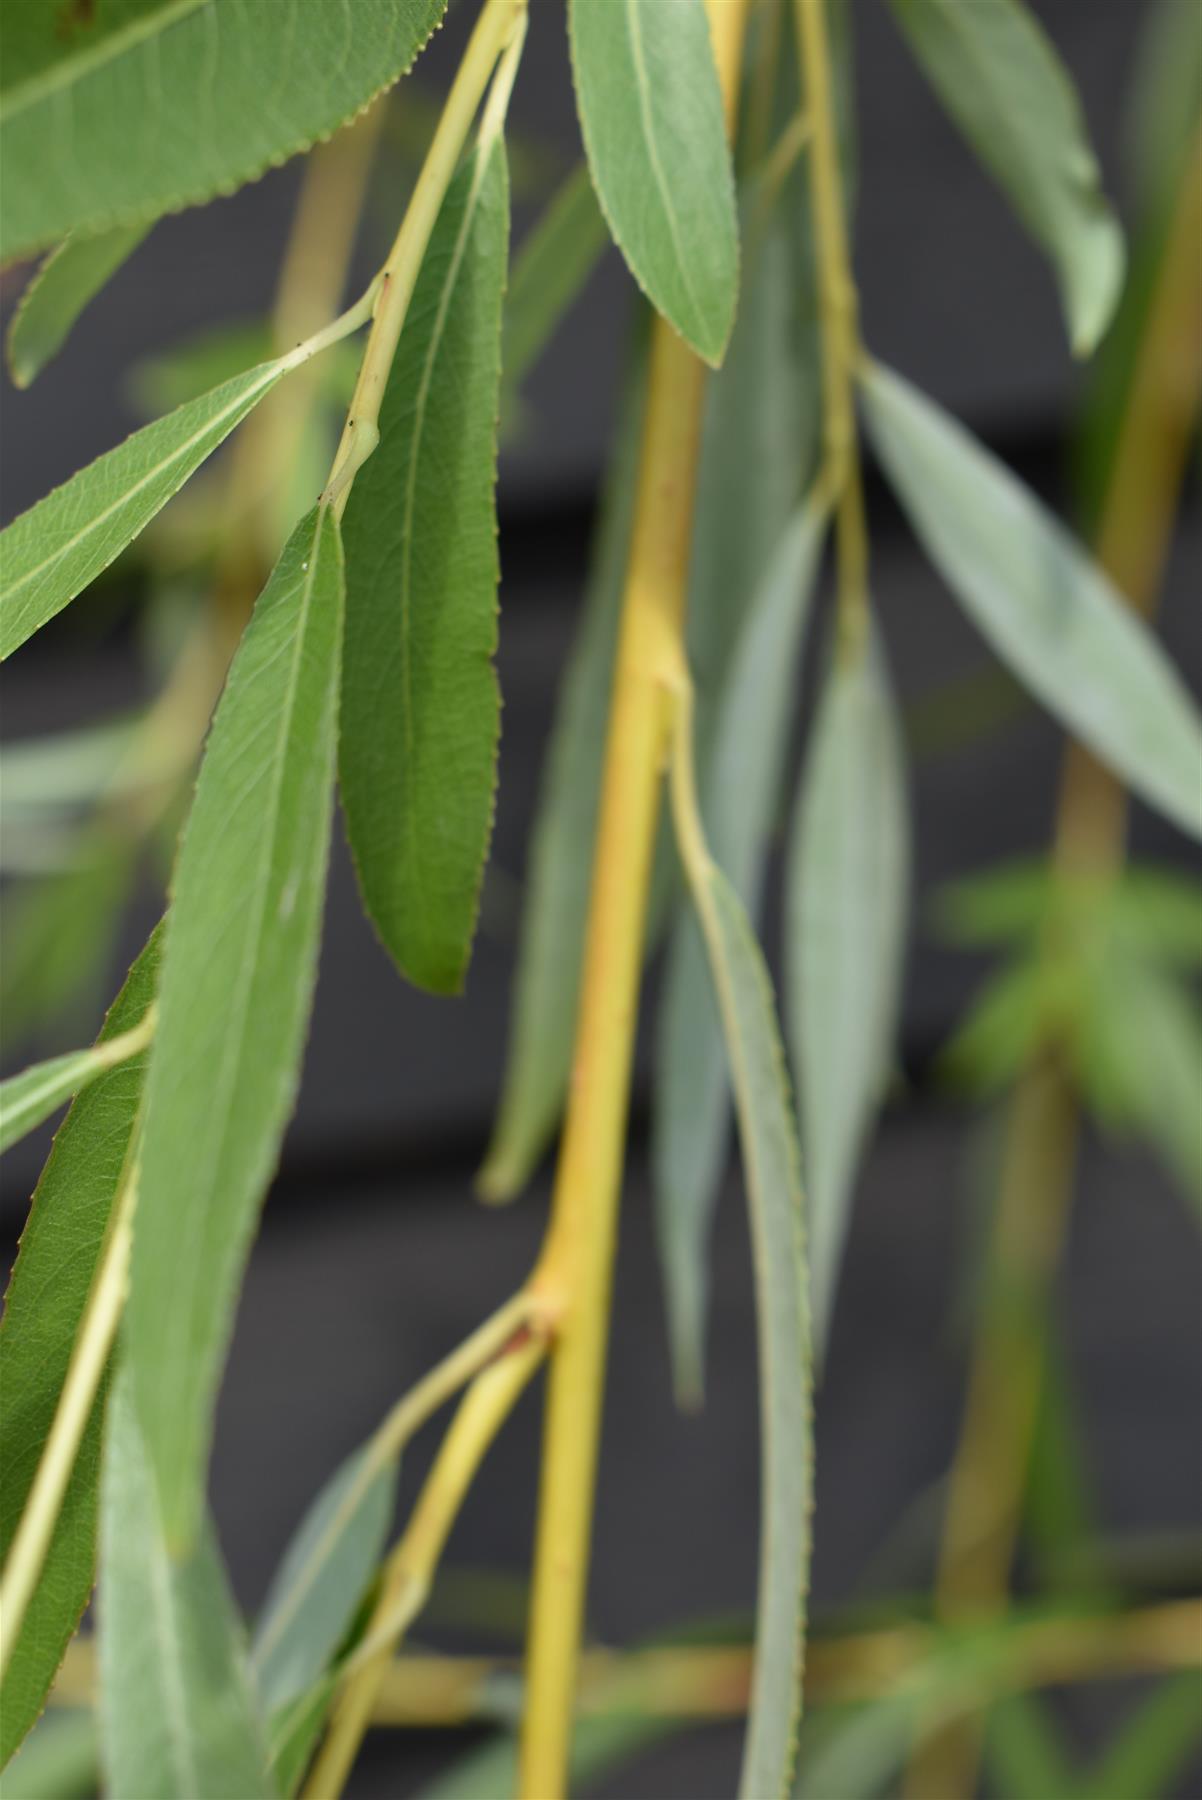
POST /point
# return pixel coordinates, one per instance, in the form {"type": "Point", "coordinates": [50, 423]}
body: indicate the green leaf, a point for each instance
{"type": "Point", "coordinates": [772, 1165]}
{"type": "Point", "coordinates": [1158, 912]}
{"type": "Point", "coordinates": [1025, 1751]}
{"type": "Point", "coordinates": [176, 1709]}
{"type": "Point", "coordinates": [547, 981]}
{"type": "Point", "coordinates": [848, 879]}
{"type": "Point", "coordinates": [239, 964]}
{"type": "Point", "coordinates": [1000, 78]}
{"type": "Point", "coordinates": [1147, 1753]}
{"type": "Point", "coordinates": [59, 1760]}
{"type": "Point", "coordinates": [555, 261]}
{"type": "Point", "coordinates": [1005, 905]}
{"type": "Point", "coordinates": [651, 114]}
{"type": "Point", "coordinates": [740, 791]}
{"type": "Point", "coordinates": [1005, 1027]}
{"type": "Point", "coordinates": [43, 1309]}
{"type": "Point", "coordinates": [50, 553]}
{"type": "Point", "coordinates": [1042, 604]}
{"type": "Point", "coordinates": [321, 1580]}
{"type": "Point", "coordinates": [184, 100]}
{"type": "Point", "coordinates": [1141, 1061]}
{"type": "Point", "coordinates": [758, 446]}
{"type": "Point", "coordinates": [420, 704]}
{"type": "Point", "coordinates": [28, 1099]}
{"type": "Point", "coordinates": [57, 936]}
{"type": "Point", "coordinates": [68, 280]}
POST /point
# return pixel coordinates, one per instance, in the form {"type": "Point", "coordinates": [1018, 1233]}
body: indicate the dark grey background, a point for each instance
{"type": "Point", "coordinates": [374, 1259]}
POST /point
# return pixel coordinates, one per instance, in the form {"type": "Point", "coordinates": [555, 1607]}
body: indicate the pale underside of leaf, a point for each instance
{"type": "Point", "coordinates": [238, 971]}
{"type": "Point", "coordinates": [740, 791]}
{"type": "Point", "coordinates": [772, 1166]}
{"type": "Point", "coordinates": [846, 908]}
{"type": "Point", "coordinates": [1043, 605]}
{"type": "Point", "coordinates": [321, 1580]}
{"type": "Point", "coordinates": [999, 76]}
{"type": "Point", "coordinates": [177, 1714]}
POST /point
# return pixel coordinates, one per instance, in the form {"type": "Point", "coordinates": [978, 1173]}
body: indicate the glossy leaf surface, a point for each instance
{"type": "Point", "coordinates": [43, 1309]}
{"type": "Point", "coordinates": [651, 113]}
{"type": "Point", "coordinates": [848, 879]}
{"type": "Point", "coordinates": [421, 706]}
{"type": "Point", "coordinates": [176, 1708]}
{"type": "Point", "coordinates": [1000, 78]}
{"type": "Point", "coordinates": [239, 964]}
{"type": "Point", "coordinates": [1043, 605]}
{"type": "Point", "coordinates": [183, 100]}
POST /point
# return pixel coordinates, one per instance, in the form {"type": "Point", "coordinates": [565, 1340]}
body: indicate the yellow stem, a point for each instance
{"type": "Point", "coordinates": [989, 1473]}
{"type": "Point", "coordinates": [839, 312]}
{"type": "Point", "coordinates": [85, 1372]}
{"type": "Point", "coordinates": [495, 29]}
{"type": "Point", "coordinates": [409, 1570]}
{"type": "Point", "coordinates": [406, 1418]}
{"type": "Point", "coordinates": [576, 1265]}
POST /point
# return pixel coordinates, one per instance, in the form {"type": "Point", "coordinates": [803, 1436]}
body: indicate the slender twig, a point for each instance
{"type": "Point", "coordinates": [575, 1268]}
{"type": "Point", "coordinates": [839, 310]}
{"type": "Point", "coordinates": [407, 1417]}
{"type": "Point", "coordinates": [990, 1469]}
{"type": "Point", "coordinates": [409, 1570]}
{"type": "Point", "coordinates": [500, 22]}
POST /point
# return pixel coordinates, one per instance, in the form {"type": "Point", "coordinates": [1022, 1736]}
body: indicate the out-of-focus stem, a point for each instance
{"type": "Point", "coordinates": [713, 1682]}
{"type": "Point", "coordinates": [989, 1473]}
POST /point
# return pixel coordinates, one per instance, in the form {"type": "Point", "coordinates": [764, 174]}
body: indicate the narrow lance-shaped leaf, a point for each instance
{"type": "Point", "coordinates": [176, 1708]}
{"type": "Point", "coordinates": [420, 706]}
{"type": "Point", "coordinates": [772, 1166]}
{"type": "Point", "coordinates": [651, 114]}
{"type": "Point", "coordinates": [238, 969]}
{"type": "Point", "coordinates": [1141, 1060]}
{"type": "Point", "coordinates": [546, 984]}
{"type": "Point", "coordinates": [740, 793]}
{"type": "Point", "coordinates": [50, 553]}
{"type": "Point", "coordinates": [1045, 608]}
{"type": "Point", "coordinates": [68, 280]}
{"type": "Point", "coordinates": [847, 884]}
{"type": "Point", "coordinates": [187, 99]}
{"type": "Point", "coordinates": [758, 446]}
{"type": "Point", "coordinates": [555, 261]}
{"type": "Point", "coordinates": [43, 1309]}
{"type": "Point", "coordinates": [1000, 78]}
{"type": "Point", "coordinates": [321, 1579]}
{"type": "Point", "coordinates": [26, 1100]}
